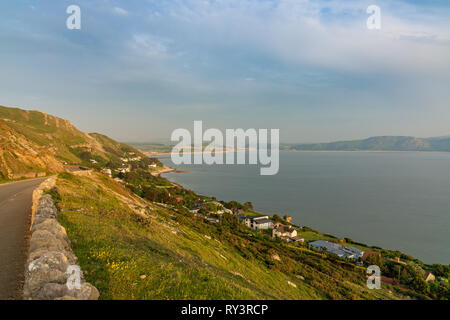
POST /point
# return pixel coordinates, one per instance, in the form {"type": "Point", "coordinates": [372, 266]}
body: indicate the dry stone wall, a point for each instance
{"type": "Point", "coordinates": [51, 271]}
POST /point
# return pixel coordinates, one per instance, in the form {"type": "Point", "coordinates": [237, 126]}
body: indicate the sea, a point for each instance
{"type": "Point", "coordinates": [394, 200]}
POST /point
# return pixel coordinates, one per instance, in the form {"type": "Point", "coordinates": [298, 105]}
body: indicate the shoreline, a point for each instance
{"type": "Point", "coordinates": [167, 169]}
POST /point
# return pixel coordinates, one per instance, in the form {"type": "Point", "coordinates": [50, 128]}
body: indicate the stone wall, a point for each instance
{"type": "Point", "coordinates": [51, 268]}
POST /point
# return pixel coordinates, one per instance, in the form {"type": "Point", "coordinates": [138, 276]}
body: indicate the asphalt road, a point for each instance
{"type": "Point", "coordinates": [15, 214]}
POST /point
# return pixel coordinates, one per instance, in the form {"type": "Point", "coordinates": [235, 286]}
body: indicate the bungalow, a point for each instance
{"type": "Point", "coordinates": [261, 222]}
{"type": "Point", "coordinates": [336, 249]}
{"type": "Point", "coordinates": [153, 165]}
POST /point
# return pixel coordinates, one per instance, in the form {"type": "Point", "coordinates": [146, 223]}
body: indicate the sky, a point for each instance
{"type": "Point", "coordinates": [137, 70]}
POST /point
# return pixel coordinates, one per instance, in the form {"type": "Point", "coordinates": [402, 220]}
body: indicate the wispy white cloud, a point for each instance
{"type": "Point", "coordinates": [149, 45]}
{"type": "Point", "coordinates": [120, 11]}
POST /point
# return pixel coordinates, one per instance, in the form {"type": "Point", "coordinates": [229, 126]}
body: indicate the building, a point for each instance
{"type": "Point", "coordinates": [336, 249]}
{"type": "Point", "coordinates": [281, 230]}
{"type": "Point", "coordinates": [153, 165]}
{"type": "Point", "coordinates": [261, 222]}
{"type": "Point", "coordinates": [124, 169]}
{"type": "Point", "coordinates": [179, 199]}
{"type": "Point", "coordinates": [212, 220]}
{"type": "Point", "coordinates": [429, 277]}
{"type": "Point", "coordinates": [107, 172]}
{"type": "Point", "coordinates": [286, 233]}
{"type": "Point", "coordinates": [358, 253]}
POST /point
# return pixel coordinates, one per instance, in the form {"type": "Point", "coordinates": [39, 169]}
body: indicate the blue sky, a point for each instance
{"type": "Point", "coordinates": [139, 69]}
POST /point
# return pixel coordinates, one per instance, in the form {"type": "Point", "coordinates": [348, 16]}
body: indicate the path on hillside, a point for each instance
{"type": "Point", "coordinates": [15, 211]}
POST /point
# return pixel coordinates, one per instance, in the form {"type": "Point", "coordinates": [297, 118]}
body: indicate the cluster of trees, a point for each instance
{"type": "Point", "coordinates": [233, 205]}
{"type": "Point", "coordinates": [157, 189]}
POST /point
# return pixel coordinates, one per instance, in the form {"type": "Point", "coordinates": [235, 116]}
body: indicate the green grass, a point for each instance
{"type": "Point", "coordinates": [183, 257]}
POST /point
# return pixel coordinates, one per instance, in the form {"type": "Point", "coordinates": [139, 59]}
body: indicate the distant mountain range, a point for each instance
{"type": "Point", "coordinates": [384, 143]}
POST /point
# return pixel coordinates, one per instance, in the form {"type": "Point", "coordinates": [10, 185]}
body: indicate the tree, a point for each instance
{"type": "Point", "coordinates": [248, 206]}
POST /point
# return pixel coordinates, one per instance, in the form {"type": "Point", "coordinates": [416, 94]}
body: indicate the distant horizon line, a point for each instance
{"type": "Point", "coordinates": [301, 143]}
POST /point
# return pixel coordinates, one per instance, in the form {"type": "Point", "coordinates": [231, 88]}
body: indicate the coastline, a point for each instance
{"type": "Point", "coordinates": [371, 242]}
{"type": "Point", "coordinates": [167, 169]}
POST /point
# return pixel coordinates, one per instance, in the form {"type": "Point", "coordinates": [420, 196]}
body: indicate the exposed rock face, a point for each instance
{"type": "Point", "coordinates": [49, 273]}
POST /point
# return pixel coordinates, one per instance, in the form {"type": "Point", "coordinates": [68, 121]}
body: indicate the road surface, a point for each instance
{"type": "Point", "coordinates": [15, 213]}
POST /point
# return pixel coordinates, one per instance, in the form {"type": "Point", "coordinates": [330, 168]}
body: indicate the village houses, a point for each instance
{"type": "Point", "coordinates": [287, 233]}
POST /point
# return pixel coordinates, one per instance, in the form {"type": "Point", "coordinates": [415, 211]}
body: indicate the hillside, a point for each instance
{"type": "Point", "coordinates": [132, 248]}
{"type": "Point", "coordinates": [385, 143]}
{"type": "Point", "coordinates": [33, 143]}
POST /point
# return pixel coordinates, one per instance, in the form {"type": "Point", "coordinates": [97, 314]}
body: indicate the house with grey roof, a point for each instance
{"type": "Point", "coordinates": [261, 222]}
{"type": "Point", "coordinates": [336, 249]}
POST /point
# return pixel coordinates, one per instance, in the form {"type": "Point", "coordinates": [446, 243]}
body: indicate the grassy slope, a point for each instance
{"type": "Point", "coordinates": [119, 237]}
{"type": "Point", "coordinates": [33, 142]}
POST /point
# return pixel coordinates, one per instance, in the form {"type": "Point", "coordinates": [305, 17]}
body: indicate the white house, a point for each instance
{"type": "Point", "coordinates": [261, 222]}
{"type": "Point", "coordinates": [107, 172]}
{"type": "Point", "coordinates": [125, 169]}
{"type": "Point", "coordinates": [287, 233]}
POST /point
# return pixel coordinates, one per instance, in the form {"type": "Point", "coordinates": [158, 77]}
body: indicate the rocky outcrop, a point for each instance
{"type": "Point", "coordinates": [52, 272]}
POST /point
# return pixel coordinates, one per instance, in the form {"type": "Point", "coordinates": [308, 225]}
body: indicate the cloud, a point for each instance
{"type": "Point", "coordinates": [120, 11]}
{"type": "Point", "coordinates": [293, 63]}
{"type": "Point", "coordinates": [149, 45]}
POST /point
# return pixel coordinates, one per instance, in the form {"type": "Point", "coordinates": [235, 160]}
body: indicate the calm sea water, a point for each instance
{"type": "Point", "coordinates": [395, 200]}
